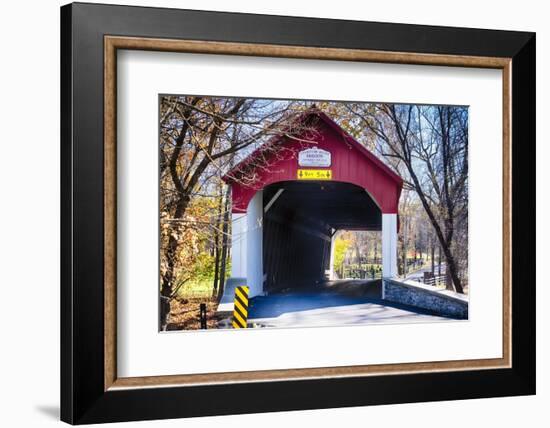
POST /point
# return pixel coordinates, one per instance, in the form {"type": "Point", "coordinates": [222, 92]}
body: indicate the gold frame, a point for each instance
{"type": "Point", "coordinates": [113, 43]}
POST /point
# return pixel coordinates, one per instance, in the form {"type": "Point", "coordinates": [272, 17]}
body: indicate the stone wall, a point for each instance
{"type": "Point", "coordinates": [443, 302]}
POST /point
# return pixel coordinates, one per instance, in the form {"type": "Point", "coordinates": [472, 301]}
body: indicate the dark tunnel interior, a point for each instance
{"type": "Point", "coordinates": [299, 220]}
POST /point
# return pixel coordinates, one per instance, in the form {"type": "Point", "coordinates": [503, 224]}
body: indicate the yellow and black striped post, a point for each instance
{"type": "Point", "coordinates": [240, 309]}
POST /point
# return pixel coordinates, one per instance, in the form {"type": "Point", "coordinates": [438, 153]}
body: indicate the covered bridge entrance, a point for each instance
{"type": "Point", "coordinates": [299, 229]}
{"type": "Point", "coordinates": [293, 194]}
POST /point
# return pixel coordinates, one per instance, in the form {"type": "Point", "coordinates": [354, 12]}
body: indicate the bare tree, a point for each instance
{"type": "Point", "coordinates": [428, 146]}
{"type": "Point", "coordinates": [199, 137]}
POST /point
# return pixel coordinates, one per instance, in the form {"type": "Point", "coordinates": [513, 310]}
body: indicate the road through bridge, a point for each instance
{"type": "Point", "coordinates": [344, 302]}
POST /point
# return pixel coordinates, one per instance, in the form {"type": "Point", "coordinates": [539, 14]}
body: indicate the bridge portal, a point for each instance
{"type": "Point", "coordinates": [299, 226]}
{"type": "Point", "coordinates": [291, 196]}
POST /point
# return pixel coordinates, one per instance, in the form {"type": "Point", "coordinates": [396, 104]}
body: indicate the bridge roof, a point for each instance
{"type": "Point", "coordinates": [351, 162]}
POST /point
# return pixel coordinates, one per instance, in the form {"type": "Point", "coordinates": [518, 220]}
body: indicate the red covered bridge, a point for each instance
{"type": "Point", "coordinates": [295, 192]}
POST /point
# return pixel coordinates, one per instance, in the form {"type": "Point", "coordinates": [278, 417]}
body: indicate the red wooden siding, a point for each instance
{"type": "Point", "coordinates": [351, 163]}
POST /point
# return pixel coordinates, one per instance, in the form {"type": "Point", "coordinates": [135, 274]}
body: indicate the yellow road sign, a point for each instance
{"type": "Point", "coordinates": [240, 308]}
{"type": "Point", "coordinates": [314, 174]}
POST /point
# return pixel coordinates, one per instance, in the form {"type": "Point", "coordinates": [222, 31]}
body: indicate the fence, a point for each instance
{"type": "Point", "coordinates": [362, 273]}
{"type": "Point", "coordinates": [435, 280]}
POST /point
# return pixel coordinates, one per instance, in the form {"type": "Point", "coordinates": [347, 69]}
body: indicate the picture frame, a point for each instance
{"type": "Point", "coordinates": [91, 391]}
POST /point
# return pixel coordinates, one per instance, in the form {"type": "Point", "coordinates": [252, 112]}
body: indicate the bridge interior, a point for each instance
{"type": "Point", "coordinates": [299, 221]}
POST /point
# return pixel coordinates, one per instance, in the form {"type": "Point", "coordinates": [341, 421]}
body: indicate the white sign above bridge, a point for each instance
{"type": "Point", "coordinates": [314, 157]}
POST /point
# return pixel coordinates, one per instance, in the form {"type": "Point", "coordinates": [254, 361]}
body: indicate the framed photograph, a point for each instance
{"type": "Point", "coordinates": [266, 213]}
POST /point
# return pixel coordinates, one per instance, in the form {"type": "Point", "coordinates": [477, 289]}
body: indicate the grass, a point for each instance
{"type": "Point", "coordinates": [196, 289]}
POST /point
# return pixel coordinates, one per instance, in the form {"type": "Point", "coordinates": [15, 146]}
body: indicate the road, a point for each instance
{"type": "Point", "coordinates": [419, 274]}
{"type": "Point", "coordinates": [334, 303]}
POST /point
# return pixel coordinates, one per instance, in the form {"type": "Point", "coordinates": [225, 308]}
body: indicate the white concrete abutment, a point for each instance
{"type": "Point", "coordinates": [247, 245]}
{"type": "Point", "coordinates": [254, 245]}
{"type": "Point", "coordinates": [238, 245]}
{"type": "Point", "coordinates": [389, 247]}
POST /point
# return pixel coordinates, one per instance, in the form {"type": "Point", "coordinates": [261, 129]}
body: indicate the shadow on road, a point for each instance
{"type": "Point", "coordinates": [331, 294]}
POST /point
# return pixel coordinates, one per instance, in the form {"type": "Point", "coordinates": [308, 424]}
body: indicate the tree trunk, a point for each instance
{"type": "Point", "coordinates": [433, 255]}
{"type": "Point", "coordinates": [448, 280]}
{"type": "Point", "coordinates": [170, 255]}
{"type": "Point", "coordinates": [439, 261]}
{"type": "Point", "coordinates": [216, 267]}
{"type": "Point", "coordinates": [217, 242]}
{"type": "Point", "coordinates": [225, 242]}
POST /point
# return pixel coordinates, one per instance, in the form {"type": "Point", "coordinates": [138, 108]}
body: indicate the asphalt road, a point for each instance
{"type": "Point", "coordinates": [331, 304]}
{"type": "Point", "coordinates": [419, 274]}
